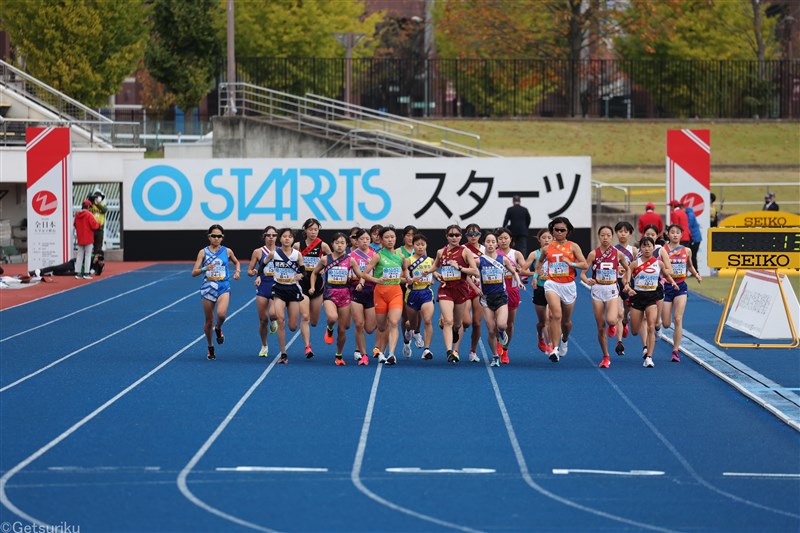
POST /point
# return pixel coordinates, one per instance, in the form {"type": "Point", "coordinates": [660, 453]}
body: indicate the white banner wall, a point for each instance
{"type": "Point", "coordinates": [170, 194]}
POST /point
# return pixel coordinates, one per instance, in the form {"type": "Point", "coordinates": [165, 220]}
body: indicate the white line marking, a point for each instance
{"type": "Point", "coordinates": [673, 450]}
{"type": "Point", "coordinates": [184, 473]}
{"type": "Point", "coordinates": [95, 469]}
{"type": "Point", "coordinates": [82, 309]}
{"type": "Point", "coordinates": [523, 466]}
{"type": "Point", "coordinates": [756, 474]}
{"type": "Point", "coordinates": [697, 140]}
{"type": "Point", "coordinates": [82, 422]}
{"type": "Point", "coordinates": [269, 469]}
{"type": "Point", "coordinates": [565, 471]}
{"type": "Point", "coordinates": [355, 474]}
{"type": "Point", "coordinates": [98, 341]}
{"type": "Point", "coordinates": [417, 470]}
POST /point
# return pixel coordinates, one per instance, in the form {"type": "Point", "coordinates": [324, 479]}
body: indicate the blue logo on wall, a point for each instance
{"type": "Point", "coordinates": [161, 193]}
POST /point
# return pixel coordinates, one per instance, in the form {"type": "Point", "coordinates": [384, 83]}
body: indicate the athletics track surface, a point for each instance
{"type": "Point", "coordinates": [132, 429]}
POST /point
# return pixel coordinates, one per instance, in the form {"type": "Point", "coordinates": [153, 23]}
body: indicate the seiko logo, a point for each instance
{"type": "Point", "coordinates": [758, 260]}
{"type": "Point", "coordinates": [764, 222]}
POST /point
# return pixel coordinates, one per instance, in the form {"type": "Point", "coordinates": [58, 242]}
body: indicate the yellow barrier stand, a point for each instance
{"type": "Point", "coordinates": [764, 240]}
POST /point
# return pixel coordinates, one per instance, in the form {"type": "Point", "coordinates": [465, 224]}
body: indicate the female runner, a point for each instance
{"type": "Point", "coordinates": [513, 285]}
{"type": "Point", "coordinates": [312, 249]}
{"type": "Point", "coordinates": [680, 259]}
{"type": "Point", "coordinates": [361, 295]}
{"type": "Point", "coordinates": [267, 320]}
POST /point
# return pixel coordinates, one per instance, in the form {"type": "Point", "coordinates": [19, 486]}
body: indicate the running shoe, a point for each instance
{"type": "Point", "coordinates": [554, 356]}
{"type": "Point", "coordinates": [283, 359]}
{"type": "Point", "coordinates": [328, 335]}
{"type": "Point", "coordinates": [452, 357]}
{"type": "Point", "coordinates": [88, 276]}
{"type": "Point", "coordinates": [620, 349]}
{"type": "Point", "coordinates": [648, 362]}
{"type": "Point", "coordinates": [418, 340]}
{"type": "Point", "coordinates": [606, 362]}
{"type": "Point", "coordinates": [220, 336]}
{"type": "Point", "coordinates": [407, 335]}
{"type": "Point", "coordinates": [658, 327]}
{"type": "Point", "coordinates": [644, 351]}
{"type": "Point", "coordinates": [273, 326]}
{"type": "Point", "coordinates": [309, 352]}
{"type": "Point", "coordinates": [356, 356]}
{"type": "Point", "coordinates": [675, 357]}
{"type": "Point", "coordinates": [427, 354]}
{"type": "Point", "coordinates": [211, 355]}
{"type": "Point", "coordinates": [381, 357]}
{"type": "Point", "coordinates": [340, 361]}
{"type": "Point", "coordinates": [78, 276]}
{"type": "Point", "coordinates": [376, 352]}
{"type": "Point", "coordinates": [455, 335]}
{"type": "Point", "coordinates": [495, 361]}
{"type": "Point", "coordinates": [542, 345]}
{"type": "Point", "coordinates": [364, 361]}
{"type": "Point", "coordinates": [503, 339]}
{"type": "Point", "coordinates": [612, 331]}
{"type": "Point", "coordinates": [407, 350]}
{"type": "Point", "coordinates": [499, 347]}
{"type": "Point", "coordinates": [473, 358]}
{"type": "Point", "coordinates": [504, 357]}
{"type": "Point", "coordinates": [391, 360]}
{"type": "Point", "coordinates": [563, 346]}
{"type": "Point", "coordinates": [264, 351]}
{"type": "Point", "coordinates": [625, 331]}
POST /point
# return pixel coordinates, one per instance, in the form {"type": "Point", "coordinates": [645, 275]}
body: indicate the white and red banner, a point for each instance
{"type": "Point", "coordinates": [689, 180]}
{"type": "Point", "coordinates": [49, 196]}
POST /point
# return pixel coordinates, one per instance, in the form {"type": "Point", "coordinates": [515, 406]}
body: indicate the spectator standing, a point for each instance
{"type": "Point", "coordinates": [713, 212]}
{"type": "Point", "coordinates": [99, 210]}
{"type": "Point", "coordinates": [85, 226]}
{"type": "Point", "coordinates": [678, 216]}
{"type": "Point", "coordinates": [695, 234]}
{"type": "Point", "coordinates": [769, 202]}
{"type": "Point", "coordinates": [518, 220]}
{"type": "Point", "coordinates": [650, 217]}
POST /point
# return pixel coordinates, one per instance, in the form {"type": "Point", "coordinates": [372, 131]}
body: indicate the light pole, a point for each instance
{"type": "Point", "coordinates": [231, 63]}
{"type": "Point", "coordinates": [349, 40]}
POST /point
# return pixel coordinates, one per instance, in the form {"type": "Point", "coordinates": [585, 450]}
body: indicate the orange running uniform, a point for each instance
{"type": "Point", "coordinates": [559, 262]}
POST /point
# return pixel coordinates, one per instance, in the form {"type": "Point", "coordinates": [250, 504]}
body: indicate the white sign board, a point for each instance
{"type": "Point", "coordinates": [49, 168]}
{"type": "Point", "coordinates": [758, 308]}
{"type": "Point", "coordinates": [171, 194]}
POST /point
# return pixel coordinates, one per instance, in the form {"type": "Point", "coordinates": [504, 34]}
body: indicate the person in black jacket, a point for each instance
{"type": "Point", "coordinates": [769, 202]}
{"type": "Point", "coordinates": [518, 220]}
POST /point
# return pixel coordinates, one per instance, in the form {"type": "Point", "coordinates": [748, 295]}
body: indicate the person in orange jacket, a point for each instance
{"type": "Point", "coordinates": [85, 224]}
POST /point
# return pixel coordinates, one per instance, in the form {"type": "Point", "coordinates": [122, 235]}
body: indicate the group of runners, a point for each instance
{"type": "Point", "coordinates": [382, 281]}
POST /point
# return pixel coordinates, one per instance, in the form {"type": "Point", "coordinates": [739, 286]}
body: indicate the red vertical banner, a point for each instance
{"type": "Point", "coordinates": [49, 196]}
{"type": "Point", "coordinates": [689, 180]}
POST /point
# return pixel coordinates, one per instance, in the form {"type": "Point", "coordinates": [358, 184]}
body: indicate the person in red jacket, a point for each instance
{"type": "Point", "coordinates": [678, 216]}
{"type": "Point", "coordinates": [85, 224]}
{"type": "Point", "coordinates": [650, 217]}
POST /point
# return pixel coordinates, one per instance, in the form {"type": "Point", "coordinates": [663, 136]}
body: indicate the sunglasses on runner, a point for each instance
{"type": "Point", "coordinates": [215, 236]}
{"type": "Point", "coordinates": [473, 234]}
{"type": "Point", "coordinates": [454, 235]}
{"type": "Point", "coordinates": [559, 230]}
{"type": "Point", "coordinates": [270, 234]}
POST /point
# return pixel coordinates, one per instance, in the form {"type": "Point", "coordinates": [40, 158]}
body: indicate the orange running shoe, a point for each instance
{"type": "Point", "coordinates": [309, 352]}
{"type": "Point", "coordinates": [605, 363]}
{"type": "Point", "coordinates": [504, 357]}
{"type": "Point", "coordinates": [340, 361]}
{"type": "Point", "coordinates": [328, 335]}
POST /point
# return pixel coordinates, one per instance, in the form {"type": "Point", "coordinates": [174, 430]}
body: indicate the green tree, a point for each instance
{"type": "Point", "coordinates": [672, 33]}
{"type": "Point", "coordinates": [83, 48]}
{"type": "Point", "coordinates": [185, 48]}
{"type": "Point", "coordinates": [293, 32]}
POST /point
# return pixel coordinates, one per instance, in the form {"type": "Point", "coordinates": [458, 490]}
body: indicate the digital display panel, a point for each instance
{"type": "Point", "coordinates": [755, 240]}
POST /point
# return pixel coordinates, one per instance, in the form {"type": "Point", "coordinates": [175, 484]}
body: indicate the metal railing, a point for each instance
{"type": "Point", "coordinates": [26, 85]}
{"type": "Point", "coordinates": [83, 132]}
{"type": "Point", "coordinates": [364, 129]}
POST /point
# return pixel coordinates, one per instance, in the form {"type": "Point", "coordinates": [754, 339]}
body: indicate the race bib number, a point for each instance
{"type": "Point", "coordinates": [490, 276]}
{"type": "Point", "coordinates": [269, 269]}
{"type": "Point", "coordinates": [428, 278]}
{"type": "Point", "coordinates": [679, 269]}
{"type": "Point", "coordinates": [310, 262]}
{"type": "Point", "coordinates": [337, 276]}
{"type": "Point", "coordinates": [217, 273]}
{"type": "Point", "coordinates": [391, 273]}
{"type": "Point", "coordinates": [647, 282]}
{"type": "Point", "coordinates": [284, 275]}
{"type": "Point", "coordinates": [606, 274]}
{"type": "Point", "coordinates": [558, 269]}
{"type": "Point", "coordinates": [450, 273]}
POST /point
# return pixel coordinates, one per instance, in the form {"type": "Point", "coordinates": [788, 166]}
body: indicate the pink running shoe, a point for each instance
{"type": "Point", "coordinates": [625, 331]}
{"type": "Point", "coordinates": [605, 363]}
{"type": "Point", "coordinates": [542, 345]}
{"type": "Point", "coordinates": [675, 357]}
{"type": "Point", "coordinates": [612, 331]}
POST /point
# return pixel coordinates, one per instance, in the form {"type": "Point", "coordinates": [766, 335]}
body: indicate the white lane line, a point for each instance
{"type": "Point", "coordinates": [98, 341]}
{"type": "Point", "coordinates": [103, 469]}
{"type": "Point", "coordinates": [82, 309]}
{"type": "Point", "coordinates": [566, 471]}
{"type": "Point", "coordinates": [417, 470]}
{"type": "Point", "coordinates": [269, 469]}
{"type": "Point", "coordinates": [355, 474]}
{"type": "Point", "coordinates": [673, 450]}
{"type": "Point", "coordinates": [6, 502]}
{"type": "Point", "coordinates": [758, 474]}
{"type": "Point", "coordinates": [184, 473]}
{"type": "Point", "coordinates": [523, 465]}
